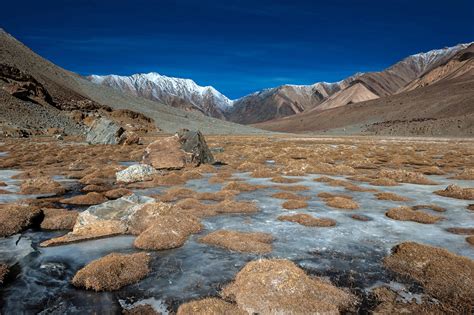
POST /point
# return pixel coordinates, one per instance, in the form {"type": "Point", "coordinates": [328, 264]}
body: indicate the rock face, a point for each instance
{"type": "Point", "coordinates": [130, 214]}
{"type": "Point", "coordinates": [280, 287]}
{"type": "Point", "coordinates": [113, 272]}
{"type": "Point", "coordinates": [259, 243]}
{"type": "Point", "coordinates": [104, 131]}
{"type": "Point", "coordinates": [16, 218]}
{"type": "Point", "coordinates": [444, 275]}
{"type": "Point", "coordinates": [136, 173]}
{"type": "Point", "coordinates": [186, 148]}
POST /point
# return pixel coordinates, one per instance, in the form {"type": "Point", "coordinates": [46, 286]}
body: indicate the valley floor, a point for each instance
{"type": "Point", "coordinates": [379, 224]}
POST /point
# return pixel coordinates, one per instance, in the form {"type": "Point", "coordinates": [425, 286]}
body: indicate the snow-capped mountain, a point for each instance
{"type": "Point", "coordinates": [288, 100]}
{"type": "Point", "coordinates": [176, 92]}
{"type": "Point", "coordinates": [425, 61]}
{"type": "Point", "coordinates": [284, 100]}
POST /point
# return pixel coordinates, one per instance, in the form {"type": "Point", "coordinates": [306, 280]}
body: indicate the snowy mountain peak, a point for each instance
{"type": "Point", "coordinates": [172, 91]}
{"type": "Point", "coordinates": [424, 61]}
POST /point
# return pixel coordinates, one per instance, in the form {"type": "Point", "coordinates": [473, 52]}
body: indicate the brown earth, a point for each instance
{"type": "Point", "coordinates": [454, 191]}
{"type": "Point", "coordinates": [445, 276]}
{"type": "Point", "coordinates": [3, 273]}
{"type": "Point", "coordinates": [15, 218]}
{"type": "Point", "coordinates": [258, 243]}
{"type": "Point", "coordinates": [294, 204]}
{"type": "Point", "coordinates": [58, 219]}
{"type": "Point", "coordinates": [112, 272]}
{"type": "Point", "coordinates": [209, 306]}
{"type": "Point", "coordinates": [307, 220]}
{"type": "Point", "coordinates": [408, 214]}
{"type": "Point", "coordinates": [90, 199]}
{"type": "Point", "coordinates": [279, 286]}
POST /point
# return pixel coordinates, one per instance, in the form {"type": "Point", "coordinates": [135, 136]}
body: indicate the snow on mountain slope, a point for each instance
{"type": "Point", "coordinates": [176, 92]}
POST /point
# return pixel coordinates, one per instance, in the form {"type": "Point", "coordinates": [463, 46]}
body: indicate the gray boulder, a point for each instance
{"type": "Point", "coordinates": [136, 173]}
{"type": "Point", "coordinates": [104, 131]}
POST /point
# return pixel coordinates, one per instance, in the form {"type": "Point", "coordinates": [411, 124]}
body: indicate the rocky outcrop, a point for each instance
{"type": "Point", "coordinates": [113, 272]}
{"type": "Point", "coordinates": [186, 148]}
{"type": "Point", "coordinates": [130, 214]}
{"type": "Point", "coordinates": [136, 173]}
{"type": "Point", "coordinates": [104, 131]}
{"type": "Point", "coordinates": [23, 86]}
{"type": "Point", "coordinates": [280, 287]}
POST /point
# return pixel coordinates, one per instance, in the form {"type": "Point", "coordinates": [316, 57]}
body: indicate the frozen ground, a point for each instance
{"type": "Point", "coordinates": [350, 253]}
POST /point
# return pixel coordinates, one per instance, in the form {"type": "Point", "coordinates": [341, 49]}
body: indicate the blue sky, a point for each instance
{"type": "Point", "coordinates": [236, 46]}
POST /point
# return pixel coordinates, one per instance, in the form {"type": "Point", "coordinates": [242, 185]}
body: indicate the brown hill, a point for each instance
{"type": "Point", "coordinates": [443, 108]}
{"type": "Point", "coordinates": [71, 92]}
{"type": "Point", "coordinates": [290, 100]}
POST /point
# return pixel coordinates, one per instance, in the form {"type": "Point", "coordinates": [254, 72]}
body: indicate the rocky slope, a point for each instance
{"type": "Point", "coordinates": [77, 96]}
{"type": "Point", "coordinates": [289, 100]}
{"type": "Point", "coordinates": [439, 103]}
{"type": "Point", "coordinates": [180, 93]}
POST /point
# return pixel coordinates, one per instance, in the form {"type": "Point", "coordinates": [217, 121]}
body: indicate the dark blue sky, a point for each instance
{"type": "Point", "coordinates": [237, 46]}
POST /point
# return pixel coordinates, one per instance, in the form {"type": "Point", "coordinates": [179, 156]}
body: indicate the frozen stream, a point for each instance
{"type": "Point", "coordinates": [349, 253]}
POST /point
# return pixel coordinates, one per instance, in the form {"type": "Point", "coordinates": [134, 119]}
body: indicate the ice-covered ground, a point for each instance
{"type": "Point", "coordinates": [349, 253]}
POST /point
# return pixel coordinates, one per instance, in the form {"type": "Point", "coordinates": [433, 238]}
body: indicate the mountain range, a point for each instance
{"type": "Point", "coordinates": [427, 94]}
{"type": "Point", "coordinates": [285, 100]}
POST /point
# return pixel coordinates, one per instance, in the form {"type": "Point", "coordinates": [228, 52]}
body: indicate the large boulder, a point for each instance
{"type": "Point", "coordinates": [185, 148]}
{"type": "Point", "coordinates": [131, 214]}
{"type": "Point", "coordinates": [104, 131]}
{"type": "Point", "coordinates": [136, 173]}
